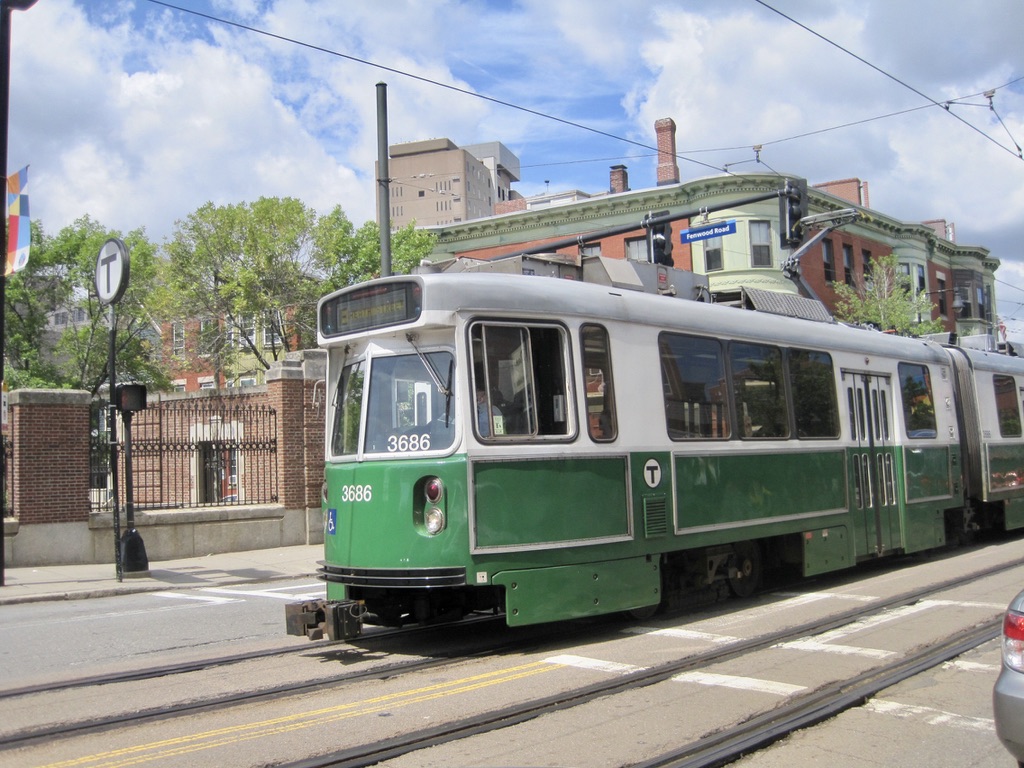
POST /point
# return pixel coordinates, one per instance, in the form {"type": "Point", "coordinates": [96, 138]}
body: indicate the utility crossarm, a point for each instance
{"type": "Point", "coordinates": [825, 223]}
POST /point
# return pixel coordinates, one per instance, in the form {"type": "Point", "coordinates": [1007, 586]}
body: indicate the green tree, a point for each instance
{"type": "Point", "coordinates": [240, 268]}
{"type": "Point", "coordinates": [30, 297]}
{"type": "Point", "coordinates": [886, 299]}
{"type": "Point", "coordinates": [354, 256]}
{"type": "Point", "coordinates": [56, 331]}
{"type": "Point", "coordinates": [251, 265]}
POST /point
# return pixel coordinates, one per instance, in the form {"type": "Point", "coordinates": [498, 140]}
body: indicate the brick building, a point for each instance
{"type": "Point", "coordinates": [959, 279]}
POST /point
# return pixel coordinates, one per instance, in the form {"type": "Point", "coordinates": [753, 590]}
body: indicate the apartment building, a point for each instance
{"type": "Point", "coordinates": [435, 182]}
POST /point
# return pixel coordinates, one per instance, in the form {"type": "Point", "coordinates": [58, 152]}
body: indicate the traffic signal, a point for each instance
{"type": "Point", "coordinates": [130, 398]}
{"type": "Point", "coordinates": [661, 244]}
{"type": "Point", "coordinates": [792, 208]}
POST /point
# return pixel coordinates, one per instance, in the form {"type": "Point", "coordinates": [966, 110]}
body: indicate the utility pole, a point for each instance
{"type": "Point", "coordinates": [383, 181]}
{"type": "Point", "coordinates": [6, 7]}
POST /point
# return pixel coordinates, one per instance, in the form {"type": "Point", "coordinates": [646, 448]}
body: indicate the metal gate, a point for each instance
{"type": "Point", "coordinates": [192, 454]}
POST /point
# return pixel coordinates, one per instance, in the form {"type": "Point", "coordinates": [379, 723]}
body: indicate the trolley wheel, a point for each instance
{"type": "Point", "coordinates": [640, 614]}
{"type": "Point", "coordinates": [745, 575]}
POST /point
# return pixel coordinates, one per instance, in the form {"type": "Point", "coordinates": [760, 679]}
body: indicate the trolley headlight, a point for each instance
{"type": "Point", "coordinates": [434, 521]}
{"type": "Point", "coordinates": [433, 490]}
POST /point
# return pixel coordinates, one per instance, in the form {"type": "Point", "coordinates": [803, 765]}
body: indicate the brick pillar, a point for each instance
{"type": "Point", "coordinates": [51, 455]}
{"type": "Point", "coordinates": [668, 168]}
{"type": "Point", "coordinates": [285, 394]}
{"type": "Point", "coordinates": [314, 371]}
{"type": "Point", "coordinates": [293, 391]}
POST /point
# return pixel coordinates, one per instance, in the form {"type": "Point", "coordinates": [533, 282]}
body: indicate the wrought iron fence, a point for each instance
{"type": "Point", "coordinates": [192, 454]}
{"type": "Point", "coordinates": [8, 449]}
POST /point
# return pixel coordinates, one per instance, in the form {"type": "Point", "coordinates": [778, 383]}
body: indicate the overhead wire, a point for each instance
{"type": "Point", "coordinates": [683, 155]}
{"type": "Point", "coordinates": [420, 78]}
{"type": "Point", "coordinates": [881, 71]}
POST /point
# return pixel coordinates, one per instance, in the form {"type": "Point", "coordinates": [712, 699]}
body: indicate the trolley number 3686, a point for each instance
{"type": "Point", "coordinates": [356, 493]}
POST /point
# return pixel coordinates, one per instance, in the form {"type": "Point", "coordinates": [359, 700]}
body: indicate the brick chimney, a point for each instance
{"type": "Point", "coordinates": [619, 179]}
{"type": "Point", "coordinates": [668, 169]}
{"type": "Point", "coordinates": [852, 190]}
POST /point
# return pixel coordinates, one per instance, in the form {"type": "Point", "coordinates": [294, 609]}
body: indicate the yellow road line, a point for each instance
{"type": "Point", "coordinates": [170, 748]}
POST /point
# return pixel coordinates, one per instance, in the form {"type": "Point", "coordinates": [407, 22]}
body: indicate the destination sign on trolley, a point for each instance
{"type": "Point", "coordinates": [711, 230]}
{"type": "Point", "coordinates": [375, 306]}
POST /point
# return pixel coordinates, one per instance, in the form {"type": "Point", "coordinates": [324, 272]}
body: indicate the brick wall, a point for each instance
{"type": "Point", "coordinates": [50, 434]}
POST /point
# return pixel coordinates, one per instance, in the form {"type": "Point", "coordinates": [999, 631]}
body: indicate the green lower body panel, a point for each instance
{"type": "Point", "coordinates": [1014, 513]}
{"type": "Point", "coordinates": [827, 549]}
{"type": "Point", "coordinates": [538, 595]}
{"type": "Point", "coordinates": [925, 528]}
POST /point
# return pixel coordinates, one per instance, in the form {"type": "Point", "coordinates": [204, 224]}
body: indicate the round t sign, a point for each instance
{"type": "Point", "coordinates": [111, 271]}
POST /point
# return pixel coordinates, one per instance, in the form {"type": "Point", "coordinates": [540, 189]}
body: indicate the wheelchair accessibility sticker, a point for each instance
{"type": "Point", "coordinates": [331, 523]}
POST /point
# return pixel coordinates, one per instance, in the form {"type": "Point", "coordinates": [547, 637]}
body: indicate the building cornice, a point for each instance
{"type": "Point", "coordinates": [607, 210]}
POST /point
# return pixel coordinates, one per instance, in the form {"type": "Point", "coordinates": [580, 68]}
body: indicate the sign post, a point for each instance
{"type": "Point", "coordinates": [112, 270]}
{"type": "Point", "coordinates": [6, 8]}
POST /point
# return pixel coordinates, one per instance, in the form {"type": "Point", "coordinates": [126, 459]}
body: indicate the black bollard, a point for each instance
{"type": "Point", "coordinates": [133, 554]}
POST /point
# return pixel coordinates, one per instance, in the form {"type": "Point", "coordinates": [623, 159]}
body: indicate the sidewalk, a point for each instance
{"type": "Point", "coordinates": [70, 582]}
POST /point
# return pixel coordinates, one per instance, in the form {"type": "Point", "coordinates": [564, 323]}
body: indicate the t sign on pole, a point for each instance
{"type": "Point", "coordinates": [112, 268]}
{"type": "Point", "coordinates": [111, 272]}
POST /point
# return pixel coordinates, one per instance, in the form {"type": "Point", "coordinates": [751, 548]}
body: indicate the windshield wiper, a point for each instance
{"type": "Point", "coordinates": [444, 389]}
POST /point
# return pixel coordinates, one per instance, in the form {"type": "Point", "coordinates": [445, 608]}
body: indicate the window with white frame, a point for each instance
{"type": "Point", "coordinates": [712, 254]}
{"type": "Point", "coordinates": [209, 329]}
{"type": "Point", "coordinates": [245, 333]}
{"type": "Point", "coordinates": [636, 249]}
{"type": "Point", "coordinates": [272, 330]}
{"type": "Point", "coordinates": [760, 244]}
{"type": "Point", "coordinates": [177, 338]}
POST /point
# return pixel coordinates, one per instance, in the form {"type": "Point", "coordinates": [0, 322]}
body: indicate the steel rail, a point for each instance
{"type": "Point", "coordinates": [805, 711]}
{"type": "Point", "coordinates": [371, 754]}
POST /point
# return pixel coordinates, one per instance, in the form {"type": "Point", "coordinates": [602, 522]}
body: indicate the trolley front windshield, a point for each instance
{"type": "Point", "coordinates": [408, 406]}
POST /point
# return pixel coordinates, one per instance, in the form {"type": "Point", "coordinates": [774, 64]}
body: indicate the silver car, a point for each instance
{"type": "Point", "coordinates": [1008, 696]}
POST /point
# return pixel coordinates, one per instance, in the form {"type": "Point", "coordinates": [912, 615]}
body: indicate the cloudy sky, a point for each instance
{"type": "Point", "coordinates": [137, 112]}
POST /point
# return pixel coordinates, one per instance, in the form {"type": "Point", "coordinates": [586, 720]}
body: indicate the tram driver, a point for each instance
{"type": "Point", "coordinates": [485, 419]}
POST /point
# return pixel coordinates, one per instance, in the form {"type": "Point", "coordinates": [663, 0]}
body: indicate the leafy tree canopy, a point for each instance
{"type": "Point", "coordinates": [235, 267]}
{"type": "Point", "coordinates": [267, 263]}
{"type": "Point", "coordinates": [886, 299]}
{"type": "Point", "coordinates": [56, 332]}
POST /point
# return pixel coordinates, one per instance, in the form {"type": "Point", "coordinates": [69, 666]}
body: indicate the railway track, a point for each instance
{"type": "Point", "coordinates": [181, 668]}
{"type": "Point", "coordinates": [723, 747]}
{"type": "Point", "coordinates": [728, 745]}
{"type": "Point", "coordinates": [213, 703]}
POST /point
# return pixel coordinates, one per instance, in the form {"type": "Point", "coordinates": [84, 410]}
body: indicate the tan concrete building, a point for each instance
{"type": "Point", "coordinates": [436, 183]}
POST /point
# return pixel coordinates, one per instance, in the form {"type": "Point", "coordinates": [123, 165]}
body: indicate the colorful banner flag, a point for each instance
{"type": "Point", "coordinates": [19, 228]}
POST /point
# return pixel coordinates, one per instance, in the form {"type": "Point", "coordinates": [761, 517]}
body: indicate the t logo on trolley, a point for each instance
{"type": "Point", "coordinates": [652, 473]}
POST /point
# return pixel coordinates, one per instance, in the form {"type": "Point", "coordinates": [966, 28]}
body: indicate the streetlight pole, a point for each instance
{"type": "Point", "coordinates": [6, 7]}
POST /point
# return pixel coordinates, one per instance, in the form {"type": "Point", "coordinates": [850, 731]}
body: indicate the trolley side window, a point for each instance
{"type": "Point", "coordinates": [693, 380]}
{"type": "Point", "coordinates": [1007, 407]}
{"type": "Point", "coordinates": [348, 405]}
{"type": "Point", "coordinates": [519, 381]}
{"type": "Point", "coordinates": [814, 394]}
{"type": "Point", "coordinates": [597, 370]}
{"type": "Point", "coordinates": [762, 410]}
{"type": "Point", "coordinates": [918, 405]}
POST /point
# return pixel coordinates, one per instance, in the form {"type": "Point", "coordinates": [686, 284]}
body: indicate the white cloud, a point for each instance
{"type": "Point", "coordinates": [137, 114]}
